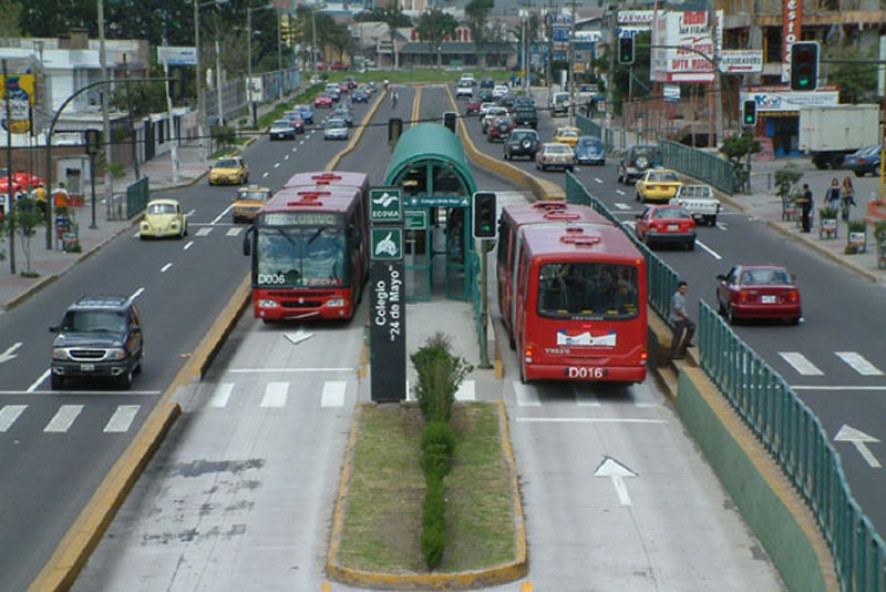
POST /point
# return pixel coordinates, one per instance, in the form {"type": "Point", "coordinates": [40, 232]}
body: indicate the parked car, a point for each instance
{"type": "Point", "coordinates": [567, 135]}
{"type": "Point", "coordinates": [248, 201]}
{"type": "Point", "coordinates": [163, 218]}
{"type": "Point", "coordinates": [499, 129]}
{"type": "Point", "coordinates": [864, 161]}
{"type": "Point", "coordinates": [229, 171]}
{"type": "Point", "coordinates": [306, 111]}
{"type": "Point", "coordinates": [323, 101]}
{"type": "Point", "coordinates": [759, 292]}
{"type": "Point", "coordinates": [472, 107]}
{"type": "Point", "coordinates": [281, 129]}
{"type": "Point", "coordinates": [336, 129]}
{"type": "Point", "coordinates": [99, 337]}
{"type": "Point", "coordinates": [635, 160]}
{"type": "Point", "coordinates": [657, 185]}
{"type": "Point", "coordinates": [665, 225]}
{"type": "Point", "coordinates": [590, 150]}
{"type": "Point", "coordinates": [522, 142]}
{"type": "Point", "coordinates": [554, 155]}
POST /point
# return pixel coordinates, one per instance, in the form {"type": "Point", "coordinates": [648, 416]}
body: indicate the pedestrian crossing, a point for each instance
{"type": "Point", "coordinates": [64, 418]}
{"type": "Point", "coordinates": [804, 366]}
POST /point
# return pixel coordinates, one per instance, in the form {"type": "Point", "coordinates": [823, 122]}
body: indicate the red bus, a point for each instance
{"type": "Point", "coordinates": [337, 178]}
{"type": "Point", "coordinates": [310, 254]}
{"type": "Point", "coordinates": [513, 217]}
{"type": "Point", "coordinates": [579, 301]}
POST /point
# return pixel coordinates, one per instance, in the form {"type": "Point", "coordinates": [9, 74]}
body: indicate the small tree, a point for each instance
{"type": "Point", "coordinates": [23, 219]}
{"type": "Point", "coordinates": [439, 375]}
{"type": "Point", "coordinates": [786, 178]}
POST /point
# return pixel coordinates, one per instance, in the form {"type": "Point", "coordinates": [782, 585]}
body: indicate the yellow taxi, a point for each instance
{"type": "Point", "coordinates": [657, 185]}
{"type": "Point", "coordinates": [249, 200]}
{"type": "Point", "coordinates": [230, 170]}
{"type": "Point", "coordinates": [567, 135]}
{"type": "Point", "coordinates": [163, 217]}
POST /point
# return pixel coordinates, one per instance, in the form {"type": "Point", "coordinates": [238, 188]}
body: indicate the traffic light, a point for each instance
{"type": "Point", "coordinates": [804, 65]}
{"type": "Point", "coordinates": [395, 129]}
{"type": "Point", "coordinates": [449, 120]}
{"type": "Point", "coordinates": [749, 112]}
{"type": "Point", "coordinates": [93, 141]}
{"type": "Point", "coordinates": [484, 215]}
{"type": "Point", "coordinates": [626, 50]}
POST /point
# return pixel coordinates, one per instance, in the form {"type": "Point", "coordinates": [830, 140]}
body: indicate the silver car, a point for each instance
{"type": "Point", "coordinates": [336, 129]}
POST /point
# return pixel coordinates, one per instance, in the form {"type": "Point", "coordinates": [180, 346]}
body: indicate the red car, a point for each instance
{"type": "Point", "coordinates": [666, 224]}
{"type": "Point", "coordinates": [500, 129]}
{"type": "Point", "coordinates": [759, 292]}
{"type": "Point", "coordinates": [473, 105]}
{"type": "Point", "coordinates": [296, 120]}
{"type": "Point", "coordinates": [323, 100]}
{"type": "Point", "coordinates": [338, 66]}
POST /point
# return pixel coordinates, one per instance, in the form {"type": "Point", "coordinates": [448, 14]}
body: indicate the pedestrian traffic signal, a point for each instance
{"type": "Point", "coordinates": [626, 50]}
{"type": "Point", "coordinates": [484, 215]}
{"type": "Point", "coordinates": [804, 65]}
{"type": "Point", "coordinates": [749, 112]}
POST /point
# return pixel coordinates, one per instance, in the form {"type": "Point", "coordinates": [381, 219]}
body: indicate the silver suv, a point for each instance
{"type": "Point", "coordinates": [99, 337]}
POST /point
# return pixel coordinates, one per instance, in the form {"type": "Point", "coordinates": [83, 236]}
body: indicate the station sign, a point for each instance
{"type": "Point", "coordinates": [386, 243]}
{"type": "Point", "coordinates": [385, 205]}
{"type": "Point", "coordinates": [387, 331]}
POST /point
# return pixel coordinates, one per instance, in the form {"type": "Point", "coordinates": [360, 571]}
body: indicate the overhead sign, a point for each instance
{"type": "Point", "coordinates": [436, 201]}
{"type": "Point", "coordinates": [741, 60]}
{"type": "Point", "coordinates": [177, 56]}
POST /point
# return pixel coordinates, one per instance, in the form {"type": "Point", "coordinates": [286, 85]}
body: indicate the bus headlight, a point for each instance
{"type": "Point", "coordinates": [268, 304]}
{"type": "Point", "coordinates": [336, 302]}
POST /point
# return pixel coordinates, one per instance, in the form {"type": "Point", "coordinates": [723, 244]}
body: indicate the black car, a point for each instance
{"type": "Point", "coordinates": [98, 337]}
{"type": "Point", "coordinates": [636, 160]}
{"type": "Point", "coordinates": [864, 161]}
{"type": "Point", "coordinates": [522, 142]}
{"type": "Point", "coordinates": [526, 115]}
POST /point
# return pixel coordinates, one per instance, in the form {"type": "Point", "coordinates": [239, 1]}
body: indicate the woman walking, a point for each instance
{"type": "Point", "coordinates": [847, 198]}
{"type": "Point", "coordinates": [832, 197]}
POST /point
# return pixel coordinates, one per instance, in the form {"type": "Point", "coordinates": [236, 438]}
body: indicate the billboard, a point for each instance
{"type": "Point", "coordinates": [684, 45]}
{"type": "Point", "coordinates": [20, 90]}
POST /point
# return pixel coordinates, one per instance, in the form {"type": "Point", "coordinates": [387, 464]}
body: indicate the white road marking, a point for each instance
{"type": "Point", "coordinates": [63, 418]}
{"type": "Point", "coordinates": [188, 245]}
{"type": "Point", "coordinates": [165, 268]}
{"type": "Point", "coordinates": [234, 231]}
{"type": "Point", "coordinates": [136, 294]}
{"type": "Point", "coordinates": [589, 420]}
{"type": "Point", "coordinates": [10, 352]}
{"type": "Point", "coordinates": [204, 231]}
{"type": "Point", "coordinates": [281, 370]}
{"type": "Point", "coordinates": [276, 165]}
{"type": "Point", "coordinates": [860, 440]}
{"type": "Point", "coordinates": [801, 363]}
{"type": "Point", "coordinates": [583, 395]}
{"type": "Point", "coordinates": [620, 192]}
{"type": "Point", "coordinates": [333, 393]}
{"type": "Point", "coordinates": [122, 418]}
{"type": "Point", "coordinates": [859, 363]}
{"type": "Point", "coordinates": [710, 251]}
{"type": "Point", "coordinates": [8, 415]}
{"type": "Point", "coordinates": [275, 394]}
{"type": "Point", "coordinates": [264, 175]}
{"type": "Point", "coordinates": [221, 216]}
{"type": "Point", "coordinates": [623, 206]}
{"type": "Point", "coordinates": [526, 396]}
{"type": "Point", "coordinates": [467, 391]}
{"type": "Point", "coordinates": [836, 387]}
{"type": "Point", "coordinates": [221, 395]}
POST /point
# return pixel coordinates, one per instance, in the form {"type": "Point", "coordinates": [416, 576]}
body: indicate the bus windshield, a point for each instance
{"type": "Point", "coordinates": [588, 290]}
{"type": "Point", "coordinates": [303, 256]}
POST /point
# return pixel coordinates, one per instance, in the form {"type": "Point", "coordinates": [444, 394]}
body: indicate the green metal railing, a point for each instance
{"type": "Point", "coordinates": [795, 438]}
{"type": "Point", "coordinates": [137, 196]}
{"type": "Point", "coordinates": [700, 165]}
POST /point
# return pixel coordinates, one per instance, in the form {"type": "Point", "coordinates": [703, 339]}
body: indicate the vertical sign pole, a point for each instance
{"type": "Point", "coordinates": [387, 316]}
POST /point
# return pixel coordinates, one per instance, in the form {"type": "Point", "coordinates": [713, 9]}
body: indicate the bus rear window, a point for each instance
{"type": "Point", "coordinates": [591, 290]}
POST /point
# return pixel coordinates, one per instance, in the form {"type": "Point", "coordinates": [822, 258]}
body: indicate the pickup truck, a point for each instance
{"type": "Point", "coordinates": [700, 201]}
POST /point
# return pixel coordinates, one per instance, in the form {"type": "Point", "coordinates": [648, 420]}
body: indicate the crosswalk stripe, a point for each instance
{"type": "Point", "coordinates": [275, 394]}
{"type": "Point", "coordinates": [622, 206]}
{"type": "Point", "coordinates": [122, 418]}
{"type": "Point", "coordinates": [8, 415]}
{"type": "Point", "coordinates": [234, 231]}
{"type": "Point", "coordinates": [467, 391]}
{"type": "Point", "coordinates": [63, 418]}
{"type": "Point", "coordinates": [333, 393]}
{"type": "Point", "coordinates": [526, 396]}
{"type": "Point", "coordinates": [204, 231]}
{"type": "Point", "coordinates": [801, 363]}
{"type": "Point", "coordinates": [859, 363]}
{"type": "Point", "coordinates": [222, 394]}
{"type": "Point", "coordinates": [583, 395]}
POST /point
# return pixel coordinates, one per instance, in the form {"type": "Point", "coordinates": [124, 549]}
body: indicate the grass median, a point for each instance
{"type": "Point", "coordinates": [381, 528]}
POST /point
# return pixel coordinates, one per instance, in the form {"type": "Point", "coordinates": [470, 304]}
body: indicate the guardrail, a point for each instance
{"type": "Point", "coordinates": [137, 196]}
{"type": "Point", "coordinates": [795, 438]}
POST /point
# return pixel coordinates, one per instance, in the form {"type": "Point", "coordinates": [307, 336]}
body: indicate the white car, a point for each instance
{"type": "Point", "coordinates": [464, 90]}
{"type": "Point", "coordinates": [490, 115]}
{"type": "Point", "coordinates": [485, 107]}
{"type": "Point", "coordinates": [499, 90]}
{"type": "Point", "coordinates": [336, 129]}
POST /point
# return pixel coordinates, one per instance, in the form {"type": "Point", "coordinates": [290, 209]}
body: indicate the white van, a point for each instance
{"type": "Point", "coordinates": [559, 104]}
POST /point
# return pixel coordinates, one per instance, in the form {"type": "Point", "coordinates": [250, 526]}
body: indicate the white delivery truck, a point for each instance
{"type": "Point", "coordinates": [828, 134]}
{"type": "Point", "coordinates": [700, 201]}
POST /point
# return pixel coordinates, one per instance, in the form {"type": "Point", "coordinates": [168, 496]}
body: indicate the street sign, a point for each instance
{"type": "Point", "coordinates": [436, 201]}
{"type": "Point", "coordinates": [741, 61]}
{"type": "Point", "coordinates": [385, 205]}
{"type": "Point", "coordinates": [387, 243]}
{"type": "Point", "coordinates": [415, 219]}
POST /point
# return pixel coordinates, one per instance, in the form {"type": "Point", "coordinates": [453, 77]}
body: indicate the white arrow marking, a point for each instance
{"type": "Point", "coordinates": [10, 353]}
{"type": "Point", "coordinates": [858, 439]}
{"type": "Point", "coordinates": [298, 336]}
{"type": "Point", "coordinates": [617, 472]}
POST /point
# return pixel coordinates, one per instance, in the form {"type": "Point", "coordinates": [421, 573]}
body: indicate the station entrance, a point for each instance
{"type": "Point", "coordinates": [435, 181]}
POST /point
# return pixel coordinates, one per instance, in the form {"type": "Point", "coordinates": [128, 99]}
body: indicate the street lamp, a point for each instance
{"type": "Point", "coordinates": [200, 99]}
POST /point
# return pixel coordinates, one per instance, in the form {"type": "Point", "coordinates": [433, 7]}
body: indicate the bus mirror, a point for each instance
{"type": "Point", "coordinates": [247, 247]}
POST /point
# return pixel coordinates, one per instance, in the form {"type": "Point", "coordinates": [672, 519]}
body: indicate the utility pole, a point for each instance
{"type": "Point", "coordinates": [106, 120]}
{"type": "Point", "coordinates": [218, 84]}
{"type": "Point", "coordinates": [10, 194]}
{"type": "Point", "coordinates": [572, 67]}
{"type": "Point", "coordinates": [173, 133]}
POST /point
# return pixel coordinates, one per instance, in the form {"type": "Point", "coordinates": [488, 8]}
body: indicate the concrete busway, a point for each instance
{"type": "Point", "coordinates": [210, 512]}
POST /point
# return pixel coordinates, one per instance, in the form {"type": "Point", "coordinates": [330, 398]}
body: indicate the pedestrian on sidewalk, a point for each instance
{"type": "Point", "coordinates": [832, 196]}
{"type": "Point", "coordinates": [847, 198]}
{"type": "Point", "coordinates": [806, 203]}
{"type": "Point", "coordinates": [40, 196]}
{"type": "Point", "coordinates": [684, 327]}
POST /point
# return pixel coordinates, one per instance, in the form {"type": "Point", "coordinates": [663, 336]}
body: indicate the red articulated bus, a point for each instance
{"type": "Point", "coordinates": [335, 178]}
{"type": "Point", "coordinates": [577, 292]}
{"type": "Point", "coordinates": [310, 254]}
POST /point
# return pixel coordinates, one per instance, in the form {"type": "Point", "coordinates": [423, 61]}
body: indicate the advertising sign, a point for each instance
{"type": "Point", "coordinates": [741, 60]}
{"type": "Point", "coordinates": [21, 98]}
{"type": "Point", "coordinates": [177, 56]}
{"type": "Point", "coordinates": [387, 331]}
{"type": "Point", "coordinates": [792, 15]}
{"type": "Point", "coordinates": [684, 43]}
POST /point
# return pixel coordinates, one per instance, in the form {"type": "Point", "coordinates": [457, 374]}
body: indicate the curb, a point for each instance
{"type": "Point", "coordinates": [500, 574]}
